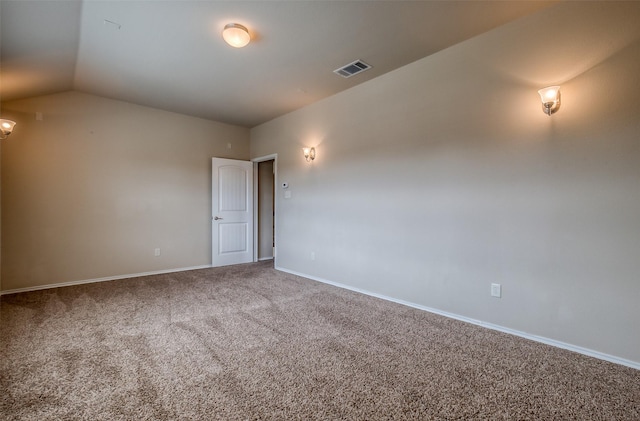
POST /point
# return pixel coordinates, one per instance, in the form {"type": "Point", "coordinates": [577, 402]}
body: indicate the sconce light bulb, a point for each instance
{"type": "Point", "coordinates": [309, 154]}
{"type": "Point", "coordinates": [6, 127]}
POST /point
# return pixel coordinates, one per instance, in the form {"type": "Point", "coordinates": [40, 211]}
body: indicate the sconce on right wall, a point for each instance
{"type": "Point", "coordinates": [550, 97]}
{"type": "Point", "coordinates": [309, 154]}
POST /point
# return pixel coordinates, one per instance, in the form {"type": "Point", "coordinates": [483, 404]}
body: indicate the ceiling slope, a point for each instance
{"type": "Point", "coordinates": [170, 55]}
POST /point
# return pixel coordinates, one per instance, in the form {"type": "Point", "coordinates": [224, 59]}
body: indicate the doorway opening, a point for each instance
{"type": "Point", "coordinates": [265, 208]}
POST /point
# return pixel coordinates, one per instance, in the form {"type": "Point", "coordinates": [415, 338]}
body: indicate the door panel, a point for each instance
{"type": "Point", "coordinates": [233, 237]}
{"type": "Point", "coordinates": [232, 206]}
{"type": "Point", "coordinates": [233, 197]}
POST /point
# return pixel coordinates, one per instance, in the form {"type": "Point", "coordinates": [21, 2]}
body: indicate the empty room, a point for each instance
{"type": "Point", "coordinates": [357, 210]}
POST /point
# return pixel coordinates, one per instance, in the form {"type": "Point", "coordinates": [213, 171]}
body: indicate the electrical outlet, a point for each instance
{"type": "Point", "coordinates": [313, 255]}
{"type": "Point", "coordinates": [156, 252]}
{"type": "Point", "coordinates": [496, 290]}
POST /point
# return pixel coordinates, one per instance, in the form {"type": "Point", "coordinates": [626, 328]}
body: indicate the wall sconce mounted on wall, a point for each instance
{"type": "Point", "coordinates": [309, 154]}
{"type": "Point", "coordinates": [550, 97]}
{"type": "Point", "coordinates": [6, 127]}
{"type": "Point", "coordinates": [236, 35]}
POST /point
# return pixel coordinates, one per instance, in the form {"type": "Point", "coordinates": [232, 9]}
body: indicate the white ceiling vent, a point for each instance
{"type": "Point", "coordinates": [352, 68]}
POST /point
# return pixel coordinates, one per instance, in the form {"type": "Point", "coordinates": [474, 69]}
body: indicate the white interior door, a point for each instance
{"type": "Point", "coordinates": [232, 207]}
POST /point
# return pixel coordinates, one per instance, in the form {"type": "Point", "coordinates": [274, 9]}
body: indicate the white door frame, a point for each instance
{"type": "Point", "coordinates": [255, 161]}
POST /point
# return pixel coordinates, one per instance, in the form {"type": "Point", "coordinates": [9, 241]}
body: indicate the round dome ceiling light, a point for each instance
{"type": "Point", "coordinates": [236, 35]}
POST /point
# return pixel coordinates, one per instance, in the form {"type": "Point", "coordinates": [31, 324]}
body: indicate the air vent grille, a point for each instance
{"type": "Point", "coordinates": [351, 69]}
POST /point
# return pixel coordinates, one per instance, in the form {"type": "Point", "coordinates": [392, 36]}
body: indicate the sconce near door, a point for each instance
{"type": "Point", "coordinates": [309, 154]}
{"type": "Point", "coordinates": [6, 127]}
{"type": "Point", "coordinates": [550, 97]}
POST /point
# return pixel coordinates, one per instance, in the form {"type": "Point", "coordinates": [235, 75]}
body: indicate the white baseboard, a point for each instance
{"type": "Point", "coordinates": [262, 259]}
{"type": "Point", "coordinates": [541, 339]}
{"type": "Point", "coordinates": [108, 278]}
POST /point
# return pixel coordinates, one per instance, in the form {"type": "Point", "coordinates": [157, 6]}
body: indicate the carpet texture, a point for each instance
{"type": "Point", "coordinates": [250, 343]}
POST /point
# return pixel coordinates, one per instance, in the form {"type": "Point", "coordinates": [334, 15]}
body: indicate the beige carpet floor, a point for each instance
{"type": "Point", "coordinates": [250, 343]}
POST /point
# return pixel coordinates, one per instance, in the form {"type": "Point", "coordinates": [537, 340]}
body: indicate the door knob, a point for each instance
{"type": "Point", "coordinates": [215, 218]}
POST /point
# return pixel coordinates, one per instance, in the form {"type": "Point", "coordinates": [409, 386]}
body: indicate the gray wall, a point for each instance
{"type": "Point", "coordinates": [438, 179]}
{"type": "Point", "coordinates": [92, 189]}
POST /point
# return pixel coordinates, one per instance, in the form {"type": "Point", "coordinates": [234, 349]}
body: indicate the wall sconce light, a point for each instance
{"type": "Point", "coordinates": [550, 97]}
{"type": "Point", "coordinates": [236, 35]}
{"type": "Point", "coordinates": [6, 127]}
{"type": "Point", "coordinates": [309, 154]}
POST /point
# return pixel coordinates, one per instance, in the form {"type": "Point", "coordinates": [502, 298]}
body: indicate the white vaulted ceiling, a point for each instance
{"type": "Point", "coordinates": [170, 54]}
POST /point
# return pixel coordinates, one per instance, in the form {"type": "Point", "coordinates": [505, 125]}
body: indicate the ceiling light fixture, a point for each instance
{"type": "Point", "coordinates": [550, 97]}
{"type": "Point", "coordinates": [6, 127]}
{"type": "Point", "coordinates": [236, 35]}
